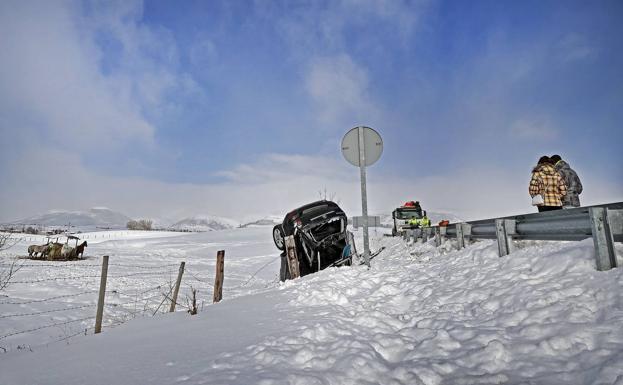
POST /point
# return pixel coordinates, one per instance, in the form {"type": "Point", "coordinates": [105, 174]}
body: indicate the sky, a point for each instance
{"type": "Point", "coordinates": [237, 109]}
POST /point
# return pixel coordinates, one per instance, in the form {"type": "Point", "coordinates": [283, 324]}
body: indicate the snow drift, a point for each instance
{"type": "Point", "coordinates": [420, 315]}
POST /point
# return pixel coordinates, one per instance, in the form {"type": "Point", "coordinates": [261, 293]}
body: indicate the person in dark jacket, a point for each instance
{"type": "Point", "coordinates": [572, 181]}
{"type": "Point", "coordinates": [548, 183]}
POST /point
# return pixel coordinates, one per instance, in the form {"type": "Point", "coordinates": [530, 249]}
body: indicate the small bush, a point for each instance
{"type": "Point", "coordinates": [141, 224]}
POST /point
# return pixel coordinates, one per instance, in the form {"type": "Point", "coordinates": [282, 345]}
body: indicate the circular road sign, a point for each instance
{"type": "Point", "coordinates": [373, 146]}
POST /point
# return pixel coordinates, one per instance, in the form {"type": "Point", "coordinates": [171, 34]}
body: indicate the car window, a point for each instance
{"type": "Point", "coordinates": [315, 209]}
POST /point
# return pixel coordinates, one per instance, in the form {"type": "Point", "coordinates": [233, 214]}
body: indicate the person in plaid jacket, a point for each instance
{"type": "Point", "coordinates": [547, 182]}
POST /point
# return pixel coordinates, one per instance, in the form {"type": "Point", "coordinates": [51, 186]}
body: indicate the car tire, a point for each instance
{"type": "Point", "coordinates": [279, 237]}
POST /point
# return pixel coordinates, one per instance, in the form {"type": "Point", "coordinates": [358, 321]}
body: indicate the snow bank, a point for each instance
{"type": "Point", "coordinates": [420, 315]}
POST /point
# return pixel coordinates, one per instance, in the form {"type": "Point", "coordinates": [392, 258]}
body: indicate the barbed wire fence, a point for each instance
{"type": "Point", "coordinates": [132, 291]}
{"type": "Point", "coordinates": [73, 314]}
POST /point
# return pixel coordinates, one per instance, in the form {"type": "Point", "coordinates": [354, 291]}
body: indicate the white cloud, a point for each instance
{"type": "Point", "coordinates": [59, 84]}
{"type": "Point", "coordinates": [203, 53]}
{"type": "Point", "coordinates": [573, 47]}
{"type": "Point", "coordinates": [322, 27]}
{"type": "Point", "coordinates": [339, 89]}
{"type": "Point", "coordinates": [272, 168]}
{"type": "Point", "coordinates": [50, 82]}
{"type": "Point", "coordinates": [274, 185]}
{"type": "Point", "coordinates": [534, 129]}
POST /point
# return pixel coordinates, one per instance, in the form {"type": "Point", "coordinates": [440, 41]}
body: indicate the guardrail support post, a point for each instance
{"type": "Point", "coordinates": [100, 300]}
{"type": "Point", "coordinates": [467, 232]}
{"type": "Point", "coordinates": [460, 237]}
{"type": "Point", "coordinates": [177, 287]}
{"type": "Point", "coordinates": [605, 254]}
{"type": "Point", "coordinates": [504, 228]}
{"type": "Point", "coordinates": [438, 236]}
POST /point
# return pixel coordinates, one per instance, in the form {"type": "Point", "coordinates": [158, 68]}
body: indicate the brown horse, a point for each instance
{"type": "Point", "coordinates": [80, 249]}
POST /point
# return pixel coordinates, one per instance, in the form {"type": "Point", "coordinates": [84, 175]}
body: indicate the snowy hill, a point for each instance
{"type": "Point", "coordinates": [270, 220]}
{"type": "Point", "coordinates": [201, 223]}
{"type": "Point", "coordinates": [160, 223]}
{"type": "Point", "coordinates": [95, 217]}
{"type": "Point", "coordinates": [419, 315]}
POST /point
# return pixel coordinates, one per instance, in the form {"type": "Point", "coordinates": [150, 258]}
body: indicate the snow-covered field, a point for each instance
{"type": "Point", "coordinates": [542, 315]}
{"type": "Point", "coordinates": [142, 267]}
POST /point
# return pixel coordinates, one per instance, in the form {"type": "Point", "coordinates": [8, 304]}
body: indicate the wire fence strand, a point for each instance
{"type": "Point", "coordinates": [54, 265]}
{"type": "Point", "coordinates": [48, 299]}
{"type": "Point", "coordinates": [57, 279]}
{"type": "Point", "coordinates": [45, 312]}
{"type": "Point", "coordinates": [44, 327]}
{"type": "Point", "coordinates": [143, 267]}
{"type": "Point", "coordinates": [186, 270]}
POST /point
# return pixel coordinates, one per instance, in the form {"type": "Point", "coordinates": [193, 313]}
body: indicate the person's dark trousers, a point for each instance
{"type": "Point", "coordinates": [549, 208]}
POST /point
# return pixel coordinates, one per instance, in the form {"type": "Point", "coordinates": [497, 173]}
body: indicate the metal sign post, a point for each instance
{"type": "Point", "coordinates": [364, 194]}
{"type": "Point", "coordinates": [362, 146]}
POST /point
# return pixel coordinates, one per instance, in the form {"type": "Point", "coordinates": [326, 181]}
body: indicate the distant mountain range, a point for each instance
{"type": "Point", "coordinates": [270, 220]}
{"type": "Point", "coordinates": [97, 217]}
{"type": "Point", "coordinates": [104, 218]}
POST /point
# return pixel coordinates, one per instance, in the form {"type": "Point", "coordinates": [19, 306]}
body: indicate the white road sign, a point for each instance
{"type": "Point", "coordinates": [373, 146]}
{"type": "Point", "coordinates": [362, 146]}
{"type": "Point", "coordinates": [373, 221]}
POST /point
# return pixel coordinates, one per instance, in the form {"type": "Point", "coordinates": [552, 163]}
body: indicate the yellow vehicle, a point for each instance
{"type": "Point", "coordinates": [403, 216]}
{"type": "Point", "coordinates": [409, 216]}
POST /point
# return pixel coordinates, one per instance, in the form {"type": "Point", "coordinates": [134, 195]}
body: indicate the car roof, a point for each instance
{"type": "Point", "coordinates": [301, 211]}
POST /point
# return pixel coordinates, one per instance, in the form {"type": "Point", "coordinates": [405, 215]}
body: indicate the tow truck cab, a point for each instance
{"type": "Point", "coordinates": [402, 216]}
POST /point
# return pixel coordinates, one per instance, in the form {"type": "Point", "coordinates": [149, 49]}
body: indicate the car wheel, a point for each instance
{"type": "Point", "coordinates": [278, 237]}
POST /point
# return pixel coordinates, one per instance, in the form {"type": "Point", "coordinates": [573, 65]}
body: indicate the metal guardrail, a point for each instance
{"type": "Point", "coordinates": [603, 223]}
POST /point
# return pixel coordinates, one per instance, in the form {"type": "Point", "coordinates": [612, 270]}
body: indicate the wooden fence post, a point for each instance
{"type": "Point", "coordinates": [177, 287]}
{"type": "Point", "coordinates": [220, 276]}
{"type": "Point", "coordinates": [100, 300]}
{"type": "Point", "coordinates": [292, 258]}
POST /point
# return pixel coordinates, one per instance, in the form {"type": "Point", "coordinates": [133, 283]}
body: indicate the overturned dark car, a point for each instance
{"type": "Point", "coordinates": [320, 236]}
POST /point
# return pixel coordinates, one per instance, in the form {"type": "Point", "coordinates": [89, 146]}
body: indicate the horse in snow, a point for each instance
{"type": "Point", "coordinates": [42, 250]}
{"type": "Point", "coordinates": [68, 252]}
{"type": "Point", "coordinates": [54, 252]}
{"type": "Point", "coordinates": [80, 249]}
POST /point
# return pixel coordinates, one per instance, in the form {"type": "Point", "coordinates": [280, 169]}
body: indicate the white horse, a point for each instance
{"type": "Point", "coordinates": [68, 252]}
